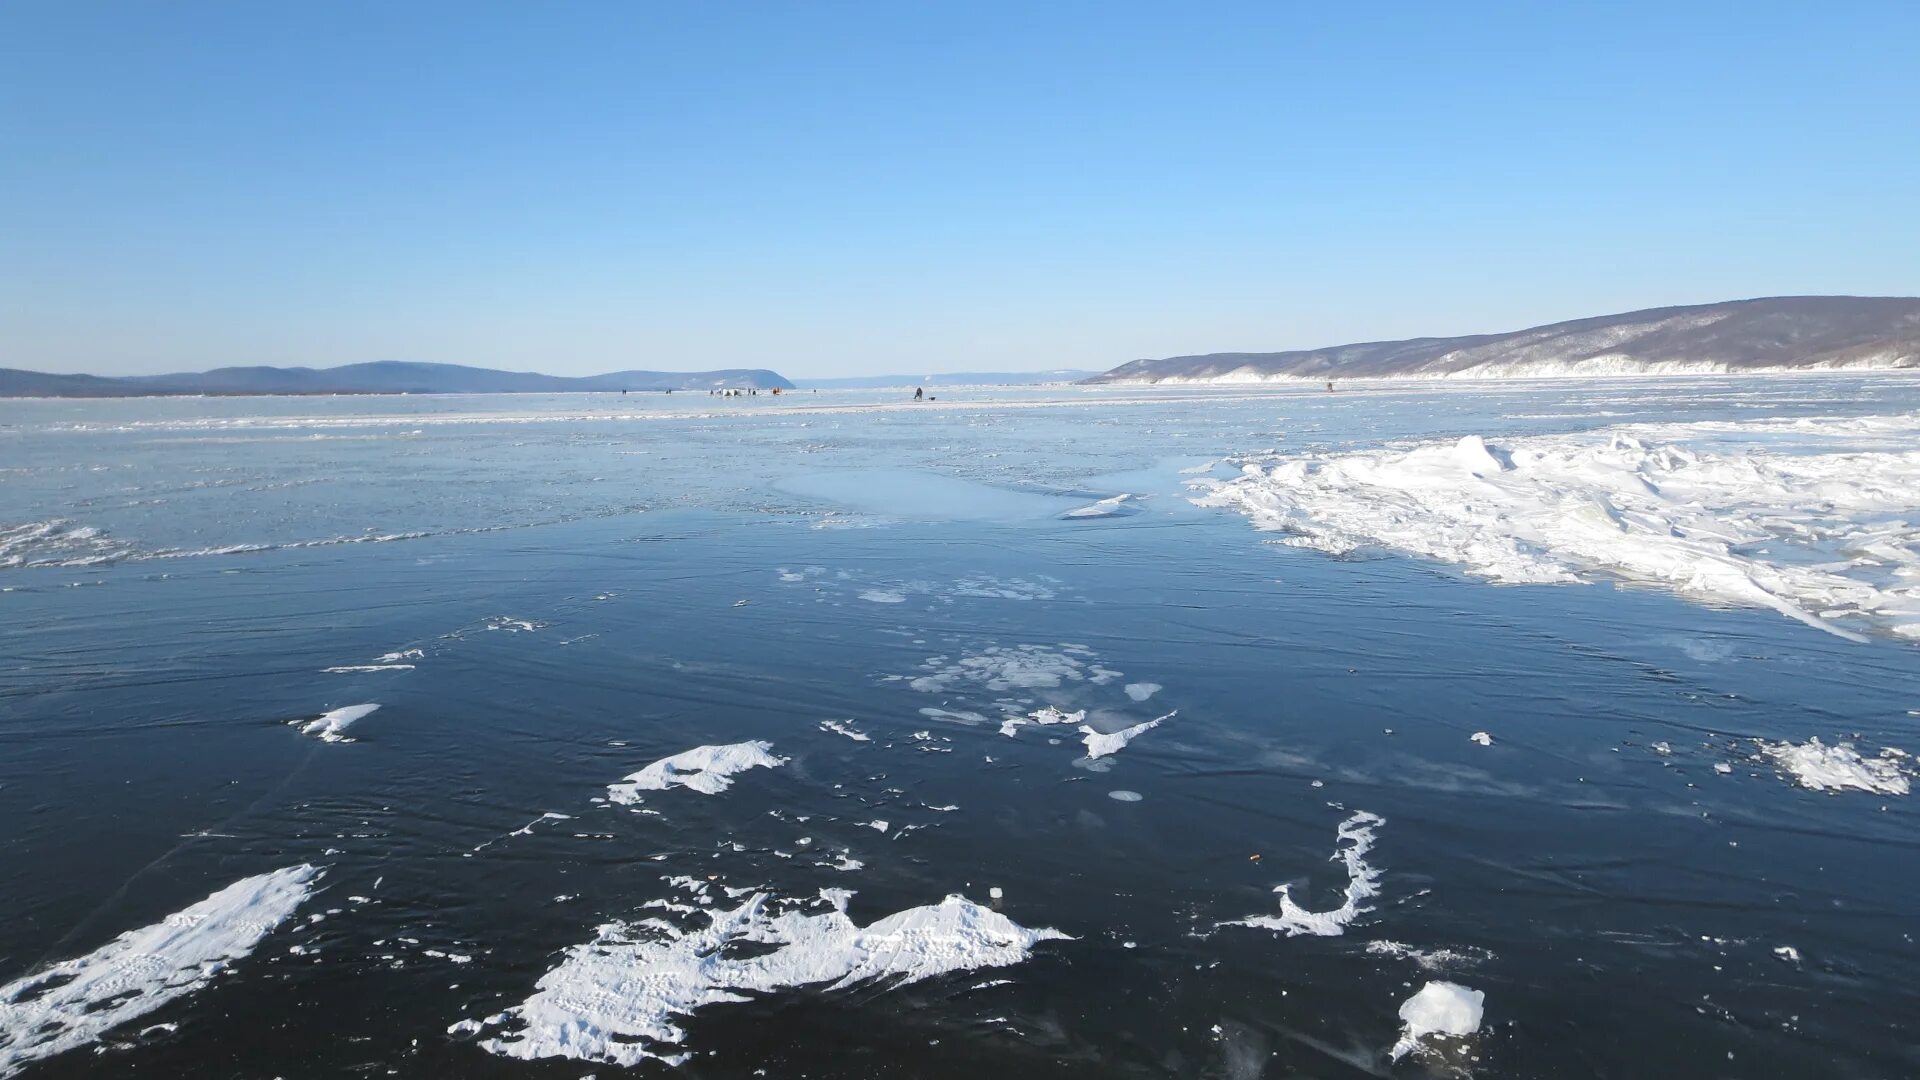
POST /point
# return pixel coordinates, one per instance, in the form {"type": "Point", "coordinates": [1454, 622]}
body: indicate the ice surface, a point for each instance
{"type": "Point", "coordinates": [1363, 883]}
{"type": "Point", "coordinates": [330, 726]}
{"type": "Point", "coordinates": [1816, 519]}
{"type": "Point", "coordinates": [1440, 1008]}
{"type": "Point", "coordinates": [1141, 691]}
{"type": "Point", "coordinates": [1839, 767]}
{"type": "Point", "coordinates": [75, 1002]}
{"type": "Point", "coordinates": [619, 998]}
{"type": "Point", "coordinates": [706, 769]}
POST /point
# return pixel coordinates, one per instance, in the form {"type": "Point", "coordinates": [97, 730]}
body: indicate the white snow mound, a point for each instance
{"type": "Point", "coordinates": [706, 769]}
{"type": "Point", "coordinates": [619, 998]}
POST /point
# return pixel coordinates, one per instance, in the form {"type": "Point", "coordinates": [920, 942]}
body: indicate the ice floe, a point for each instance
{"type": "Point", "coordinates": [331, 726]}
{"type": "Point", "coordinates": [620, 998]}
{"type": "Point", "coordinates": [1816, 519]}
{"type": "Point", "coordinates": [1439, 1009]}
{"type": "Point", "coordinates": [1839, 767]}
{"type": "Point", "coordinates": [73, 1003]}
{"type": "Point", "coordinates": [1141, 691]}
{"type": "Point", "coordinates": [705, 769]}
{"type": "Point", "coordinates": [1356, 834]}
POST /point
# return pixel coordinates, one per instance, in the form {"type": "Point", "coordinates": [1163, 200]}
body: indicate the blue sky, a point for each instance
{"type": "Point", "coordinates": [832, 188]}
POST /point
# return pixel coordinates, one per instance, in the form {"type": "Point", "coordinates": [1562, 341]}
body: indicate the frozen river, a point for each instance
{"type": "Point", "coordinates": [1045, 732]}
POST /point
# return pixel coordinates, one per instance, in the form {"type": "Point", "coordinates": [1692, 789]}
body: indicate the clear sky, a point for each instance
{"type": "Point", "coordinates": [831, 188]}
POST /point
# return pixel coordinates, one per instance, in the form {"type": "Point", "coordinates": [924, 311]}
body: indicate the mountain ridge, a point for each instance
{"type": "Point", "coordinates": [1761, 334]}
{"type": "Point", "coordinates": [375, 377]}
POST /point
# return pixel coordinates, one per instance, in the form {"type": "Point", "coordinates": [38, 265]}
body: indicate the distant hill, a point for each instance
{"type": "Point", "coordinates": [381, 377]}
{"type": "Point", "coordinates": [1775, 333]}
{"type": "Point", "coordinates": [951, 378]}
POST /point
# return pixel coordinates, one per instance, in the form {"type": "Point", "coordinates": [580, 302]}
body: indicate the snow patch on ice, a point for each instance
{"type": "Point", "coordinates": [1102, 743]}
{"type": "Point", "coordinates": [708, 770]}
{"type": "Point", "coordinates": [1363, 883]}
{"type": "Point", "coordinates": [73, 1003]}
{"type": "Point", "coordinates": [1007, 667]}
{"type": "Point", "coordinates": [331, 726]}
{"type": "Point", "coordinates": [1839, 767]}
{"type": "Point", "coordinates": [620, 998]}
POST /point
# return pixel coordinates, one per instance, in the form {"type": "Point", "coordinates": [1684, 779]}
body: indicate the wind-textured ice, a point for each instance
{"type": "Point", "coordinates": [619, 998]}
{"type": "Point", "coordinates": [1818, 519]}
{"type": "Point", "coordinates": [1363, 883]}
{"type": "Point", "coordinates": [706, 769]}
{"type": "Point", "coordinates": [75, 1002]}
{"type": "Point", "coordinates": [331, 726]}
{"type": "Point", "coordinates": [1839, 767]}
{"type": "Point", "coordinates": [1439, 1008]}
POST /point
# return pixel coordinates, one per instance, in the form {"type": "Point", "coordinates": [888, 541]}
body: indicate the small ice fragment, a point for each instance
{"type": "Point", "coordinates": [1482, 738]}
{"type": "Point", "coordinates": [995, 892]}
{"type": "Point", "coordinates": [1440, 1008]}
{"type": "Point", "coordinates": [1124, 796]}
{"type": "Point", "coordinates": [1141, 691]}
{"type": "Point", "coordinates": [1722, 768]}
{"type": "Point", "coordinates": [878, 825]}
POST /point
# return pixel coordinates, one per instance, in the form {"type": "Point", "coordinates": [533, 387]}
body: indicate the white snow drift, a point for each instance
{"type": "Point", "coordinates": [706, 769]}
{"type": "Point", "coordinates": [1818, 519]}
{"type": "Point", "coordinates": [73, 1003]}
{"type": "Point", "coordinates": [1363, 883]}
{"type": "Point", "coordinates": [618, 998]}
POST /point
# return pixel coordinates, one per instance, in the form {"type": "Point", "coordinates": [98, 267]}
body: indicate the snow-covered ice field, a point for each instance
{"type": "Point", "coordinates": [1503, 729]}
